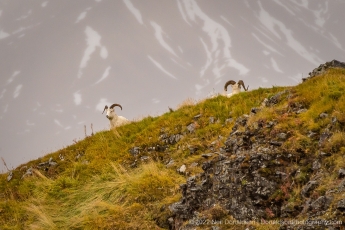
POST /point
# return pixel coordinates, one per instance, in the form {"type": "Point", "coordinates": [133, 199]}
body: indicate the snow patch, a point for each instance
{"type": "Point", "coordinates": [17, 91]}
{"type": "Point", "coordinates": [155, 100]}
{"type": "Point", "coordinates": [77, 98]}
{"type": "Point", "coordinates": [159, 66]}
{"type": "Point", "coordinates": [2, 93]}
{"type": "Point", "coordinates": [81, 16]}
{"type": "Point", "coordinates": [159, 33]}
{"type": "Point", "coordinates": [44, 4]}
{"type": "Point", "coordinates": [3, 34]}
{"type": "Point", "coordinates": [134, 11]}
{"type": "Point", "coordinates": [275, 66]}
{"type": "Point", "coordinates": [93, 40]}
{"type": "Point", "coordinates": [13, 76]}
{"type": "Point", "coordinates": [105, 75]}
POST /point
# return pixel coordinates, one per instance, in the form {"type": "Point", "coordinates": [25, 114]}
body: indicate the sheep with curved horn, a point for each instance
{"type": "Point", "coordinates": [114, 119]}
{"type": "Point", "coordinates": [236, 87]}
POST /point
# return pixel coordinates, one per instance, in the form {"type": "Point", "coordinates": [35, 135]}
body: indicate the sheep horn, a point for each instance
{"type": "Point", "coordinates": [113, 105]}
{"type": "Point", "coordinates": [106, 107]}
{"type": "Point", "coordinates": [241, 83]}
{"type": "Point", "coordinates": [228, 83]}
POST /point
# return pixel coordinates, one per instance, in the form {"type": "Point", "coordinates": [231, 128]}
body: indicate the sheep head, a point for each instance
{"type": "Point", "coordinates": [235, 86]}
{"type": "Point", "coordinates": [110, 112]}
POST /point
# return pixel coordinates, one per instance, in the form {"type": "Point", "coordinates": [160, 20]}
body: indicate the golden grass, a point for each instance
{"type": "Point", "coordinates": [99, 190]}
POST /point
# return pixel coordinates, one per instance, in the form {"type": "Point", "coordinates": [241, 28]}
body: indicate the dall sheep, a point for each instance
{"type": "Point", "coordinates": [114, 119]}
{"type": "Point", "coordinates": [236, 87]}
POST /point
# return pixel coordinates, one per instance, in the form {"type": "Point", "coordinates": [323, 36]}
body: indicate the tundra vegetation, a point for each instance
{"type": "Point", "coordinates": [129, 181]}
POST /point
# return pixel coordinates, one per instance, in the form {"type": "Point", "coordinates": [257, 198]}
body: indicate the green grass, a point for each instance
{"type": "Point", "coordinates": [101, 189]}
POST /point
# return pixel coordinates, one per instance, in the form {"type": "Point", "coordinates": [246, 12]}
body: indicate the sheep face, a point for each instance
{"type": "Point", "coordinates": [110, 113]}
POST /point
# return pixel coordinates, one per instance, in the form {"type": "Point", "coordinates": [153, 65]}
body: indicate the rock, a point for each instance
{"type": "Point", "coordinates": [322, 203]}
{"type": "Point", "coordinates": [144, 158]}
{"type": "Point", "coordinates": [323, 115]}
{"type": "Point", "coordinates": [52, 162]}
{"type": "Point", "coordinates": [61, 157]}
{"type": "Point", "coordinates": [323, 154]}
{"type": "Point", "coordinates": [134, 151]}
{"type": "Point", "coordinates": [191, 127]}
{"type": "Point", "coordinates": [192, 149]}
{"type": "Point", "coordinates": [197, 117]}
{"type": "Point", "coordinates": [229, 120]}
{"type": "Point", "coordinates": [341, 173]}
{"type": "Point", "coordinates": [27, 173]}
{"type": "Point", "coordinates": [207, 155]}
{"type": "Point", "coordinates": [182, 169]}
{"type": "Point", "coordinates": [212, 120]}
{"type": "Point", "coordinates": [161, 148]}
{"type": "Point", "coordinates": [311, 134]}
{"type": "Point", "coordinates": [311, 185]}
{"type": "Point", "coordinates": [316, 165]}
{"type": "Point", "coordinates": [324, 136]}
{"type": "Point", "coordinates": [324, 67]}
{"type": "Point", "coordinates": [301, 111]}
{"type": "Point", "coordinates": [341, 205]}
{"type": "Point", "coordinates": [255, 110]}
{"type": "Point", "coordinates": [10, 175]}
{"type": "Point", "coordinates": [194, 164]}
{"type": "Point", "coordinates": [276, 143]}
{"type": "Point", "coordinates": [170, 163]}
{"type": "Point", "coordinates": [282, 136]}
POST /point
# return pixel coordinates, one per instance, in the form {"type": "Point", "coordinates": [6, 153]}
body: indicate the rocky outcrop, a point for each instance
{"type": "Point", "coordinates": [251, 177]}
{"type": "Point", "coordinates": [324, 67]}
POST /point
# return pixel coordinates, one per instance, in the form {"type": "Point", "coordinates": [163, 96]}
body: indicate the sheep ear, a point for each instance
{"type": "Point", "coordinates": [106, 107]}
{"type": "Point", "coordinates": [113, 105]}
{"type": "Point", "coordinates": [228, 83]}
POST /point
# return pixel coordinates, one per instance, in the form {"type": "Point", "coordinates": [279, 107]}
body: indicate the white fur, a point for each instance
{"type": "Point", "coordinates": [115, 120]}
{"type": "Point", "coordinates": [236, 88]}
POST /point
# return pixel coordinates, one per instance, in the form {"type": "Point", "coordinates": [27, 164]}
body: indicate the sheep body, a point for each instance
{"type": "Point", "coordinates": [236, 87]}
{"type": "Point", "coordinates": [115, 120]}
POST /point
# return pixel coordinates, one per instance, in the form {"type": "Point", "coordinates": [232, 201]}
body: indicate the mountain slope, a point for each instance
{"type": "Point", "coordinates": [130, 178]}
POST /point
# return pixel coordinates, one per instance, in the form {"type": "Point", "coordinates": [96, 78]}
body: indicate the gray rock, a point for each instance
{"type": "Point", "coordinates": [229, 120]}
{"type": "Point", "coordinates": [207, 155]}
{"type": "Point", "coordinates": [27, 173]}
{"type": "Point", "coordinates": [324, 136]}
{"type": "Point", "coordinates": [323, 115]}
{"type": "Point", "coordinates": [316, 165]}
{"type": "Point", "coordinates": [324, 67]}
{"type": "Point", "coordinates": [197, 117]}
{"type": "Point", "coordinates": [323, 154]}
{"type": "Point", "coordinates": [52, 162]}
{"type": "Point", "coordinates": [311, 185]}
{"type": "Point", "coordinates": [341, 205]}
{"type": "Point", "coordinates": [311, 134]}
{"type": "Point", "coordinates": [341, 173]}
{"type": "Point", "coordinates": [9, 176]}
{"type": "Point", "coordinates": [301, 111]}
{"type": "Point", "coordinates": [61, 157]}
{"type": "Point", "coordinates": [212, 120]}
{"type": "Point", "coordinates": [134, 151]}
{"type": "Point", "coordinates": [282, 136]}
{"type": "Point", "coordinates": [182, 169]}
{"type": "Point", "coordinates": [322, 203]}
{"type": "Point", "coordinates": [144, 158]}
{"type": "Point", "coordinates": [191, 127]}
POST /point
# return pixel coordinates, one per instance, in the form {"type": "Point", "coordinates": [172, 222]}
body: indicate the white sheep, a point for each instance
{"type": "Point", "coordinates": [236, 87]}
{"type": "Point", "coordinates": [115, 120]}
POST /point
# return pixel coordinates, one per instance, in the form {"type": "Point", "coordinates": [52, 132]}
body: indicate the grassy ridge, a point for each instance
{"type": "Point", "coordinates": [99, 189]}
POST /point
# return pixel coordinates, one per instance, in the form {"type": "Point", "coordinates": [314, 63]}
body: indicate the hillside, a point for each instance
{"type": "Point", "coordinates": [263, 155]}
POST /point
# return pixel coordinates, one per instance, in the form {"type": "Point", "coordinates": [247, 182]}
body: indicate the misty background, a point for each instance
{"type": "Point", "coordinates": [63, 61]}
